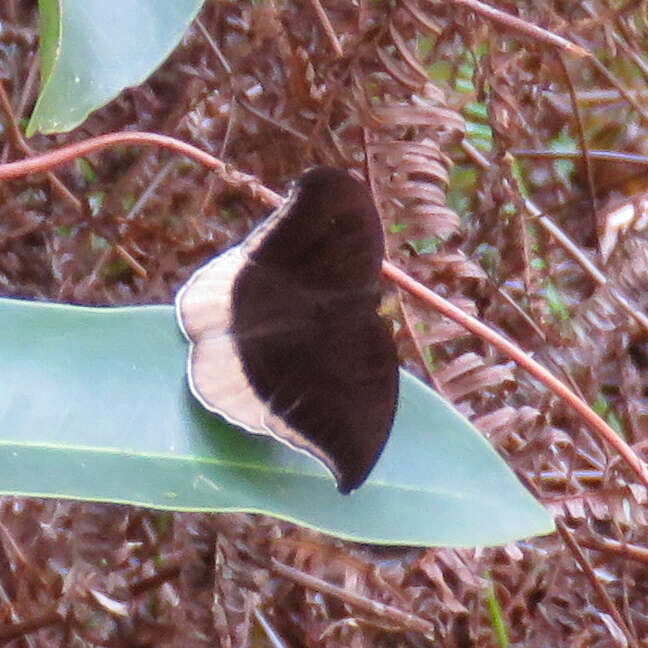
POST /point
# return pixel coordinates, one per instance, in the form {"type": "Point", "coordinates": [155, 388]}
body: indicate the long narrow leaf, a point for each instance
{"type": "Point", "coordinates": [95, 406]}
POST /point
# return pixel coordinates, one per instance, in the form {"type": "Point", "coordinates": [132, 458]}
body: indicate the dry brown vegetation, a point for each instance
{"type": "Point", "coordinates": [384, 91]}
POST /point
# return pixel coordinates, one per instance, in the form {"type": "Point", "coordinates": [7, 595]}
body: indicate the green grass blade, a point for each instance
{"type": "Point", "coordinates": [496, 616]}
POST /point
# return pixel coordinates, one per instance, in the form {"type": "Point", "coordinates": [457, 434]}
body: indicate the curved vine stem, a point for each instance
{"type": "Point", "coordinates": [247, 182]}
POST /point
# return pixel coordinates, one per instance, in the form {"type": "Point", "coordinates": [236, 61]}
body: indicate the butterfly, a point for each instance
{"type": "Point", "coordinates": [285, 338]}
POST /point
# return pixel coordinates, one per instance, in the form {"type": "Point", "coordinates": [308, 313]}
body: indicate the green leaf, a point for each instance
{"type": "Point", "coordinates": [428, 245]}
{"type": "Point", "coordinates": [96, 201]}
{"type": "Point", "coordinates": [462, 189]}
{"type": "Point", "coordinates": [537, 263]}
{"type": "Point", "coordinates": [92, 49]}
{"type": "Point", "coordinates": [89, 174]}
{"type": "Point", "coordinates": [95, 406]}
{"type": "Point", "coordinates": [476, 110]}
{"type": "Point", "coordinates": [556, 303]}
{"type": "Point", "coordinates": [564, 142]}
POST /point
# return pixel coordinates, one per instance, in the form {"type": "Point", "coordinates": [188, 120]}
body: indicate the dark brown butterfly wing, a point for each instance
{"type": "Point", "coordinates": [304, 329]}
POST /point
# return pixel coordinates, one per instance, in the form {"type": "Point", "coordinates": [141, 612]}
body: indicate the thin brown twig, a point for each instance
{"type": "Point", "coordinates": [625, 549]}
{"type": "Point", "coordinates": [163, 575]}
{"type": "Point", "coordinates": [30, 82]}
{"type": "Point", "coordinates": [609, 156]}
{"type": "Point", "coordinates": [421, 17]}
{"type": "Point", "coordinates": [521, 313]}
{"type": "Point", "coordinates": [10, 614]}
{"type": "Point", "coordinates": [588, 266]}
{"type": "Point", "coordinates": [475, 155]}
{"type": "Point", "coordinates": [149, 192]}
{"type": "Point", "coordinates": [585, 565]}
{"type": "Point", "coordinates": [407, 55]}
{"type": "Point", "coordinates": [270, 632]}
{"type": "Point", "coordinates": [367, 605]}
{"type": "Point", "coordinates": [22, 145]}
{"type": "Point", "coordinates": [10, 632]}
{"type": "Point", "coordinates": [522, 26]}
{"type": "Point", "coordinates": [594, 97]}
{"type": "Point", "coordinates": [525, 251]}
{"type": "Point", "coordinates": [627, 94]}
{"type": "Point", "coordinates": [587, 160]}
{"type": "Point", "coordinates": [231, 125]}
{"type": "Point", "coordinates": [583, 261]}
{"type": "Point", "coordinates": [214, 45]}
{"type": "Point", "coordinates": [69, 153]}
{"type": "Point", "coordinates": [133, 263]}
{"type": "Point", "coordinates": [328, 28]}
{"type": "Point", "coordinates": [286, 128]}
